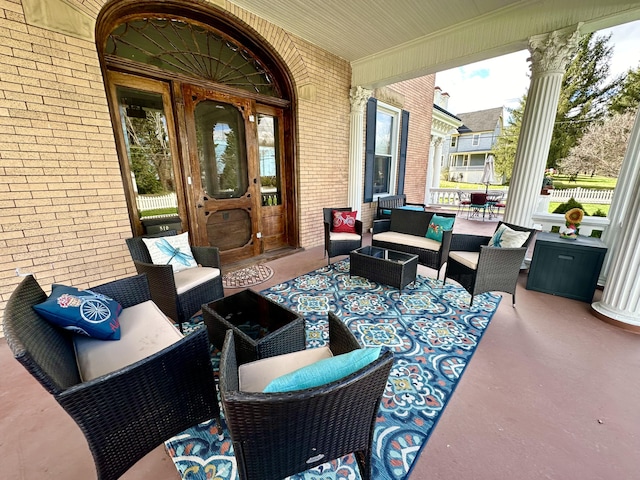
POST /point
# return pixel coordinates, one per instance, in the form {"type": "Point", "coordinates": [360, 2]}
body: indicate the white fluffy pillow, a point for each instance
{"type": "Point", "coordinates": [171, 250]}
{"type": "Point", "coordinates": [506, 237]}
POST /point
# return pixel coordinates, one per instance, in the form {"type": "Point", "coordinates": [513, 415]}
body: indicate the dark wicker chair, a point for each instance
{"type": "Point", "coordinates": [127, 413]}
{"type": "Point", "coordinates": [178, 307]}
{"type": "Point", "coordinates": [334, 244]}
{"type": "Point", "coordinates": [279, 434]}
{"type": "Point", "coordinates": [497, 268]}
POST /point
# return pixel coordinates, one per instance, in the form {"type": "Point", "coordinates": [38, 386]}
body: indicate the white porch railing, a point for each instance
{"type": "Point", "coordinates": [545, 221]}
{"type": "Point", "coordinates": [542, 219]}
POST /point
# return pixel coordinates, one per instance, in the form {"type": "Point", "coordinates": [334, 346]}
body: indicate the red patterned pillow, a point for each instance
{"type": "Point", "coordinates": [344, 222]}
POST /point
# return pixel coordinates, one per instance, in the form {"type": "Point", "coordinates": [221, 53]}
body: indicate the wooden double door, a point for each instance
{"type": "Point", "coordinates": [221, 157]}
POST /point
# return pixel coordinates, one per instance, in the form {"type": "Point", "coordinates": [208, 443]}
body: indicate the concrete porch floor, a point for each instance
{"type": "Point", "coordinates": [551, 392]}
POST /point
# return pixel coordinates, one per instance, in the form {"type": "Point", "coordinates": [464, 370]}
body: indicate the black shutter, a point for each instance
{"type": "Point", "coordinates": [402, 161]}
{"type": "Point", "coordinates": [370, 149]}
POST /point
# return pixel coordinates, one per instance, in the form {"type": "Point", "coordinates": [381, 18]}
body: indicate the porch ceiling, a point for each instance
{"type": "Point", "coordinates": [391, 40]}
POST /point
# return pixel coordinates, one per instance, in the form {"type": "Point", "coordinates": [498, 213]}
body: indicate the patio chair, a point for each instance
{"type": "Point", "coordinates": [179, 295]}
{"type": "Point", "coordinates": [481, 268]}
{"type": "Point", "coordinates": [127, 412]}
{"type": "Point", "coordinates": [464, 200]}
{"type": "Point", "coordinates": [275, 435]}
{"type": "Point", "coordinates": [478, 202]}
{"type": "Point", "coordinates": [339, 243]}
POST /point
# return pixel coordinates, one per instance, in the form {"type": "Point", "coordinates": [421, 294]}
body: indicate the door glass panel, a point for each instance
{"type": "Point", "coordinates": [221, 149]}
{"type": "Point", "coordinates": [146, 137]}
{"type": "Point", "coordinates": [269, 151]}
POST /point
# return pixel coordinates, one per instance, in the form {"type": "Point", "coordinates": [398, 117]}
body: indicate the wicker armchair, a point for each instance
{"type": "Point", "coordinates": [279, 434]}
{"type": "Point", "coordinates": [180, 307]}
{"type": "Point", "coordinates": [480, 268]}
{"type": "Point", "coordinates": [339, 243]}
{"type": "Point", "coordinates": [126, 413]}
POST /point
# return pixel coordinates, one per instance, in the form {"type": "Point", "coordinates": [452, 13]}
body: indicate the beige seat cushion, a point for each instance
{"type": "Point", "coordinates": [468, 259]}
{"type": "Point", "coordinates": [144, 330]}
{"type": "Point", "coordinates": [192, 277]}
{"type": "Point", "coordinates": [255, 376]}
{"type": "Point", "coordinates": [337, 236]}
{"type": "Point", "coordinates": [406, 239]}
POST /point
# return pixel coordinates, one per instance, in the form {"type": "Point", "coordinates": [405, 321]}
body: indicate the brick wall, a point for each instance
{"type": "Point", "coordinates": [63, 214]}
{"type": "Point", "coordinates": [62, 209]}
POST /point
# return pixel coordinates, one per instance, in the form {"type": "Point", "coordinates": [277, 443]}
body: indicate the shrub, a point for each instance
{"type": "Point", "coordinates": [568, 205]}
{"type": "Point", "coordinates": [599, 213]}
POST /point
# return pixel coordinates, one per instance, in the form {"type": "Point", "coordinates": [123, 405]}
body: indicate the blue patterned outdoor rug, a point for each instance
{"type": "Point", "coordinates": [429, 327]}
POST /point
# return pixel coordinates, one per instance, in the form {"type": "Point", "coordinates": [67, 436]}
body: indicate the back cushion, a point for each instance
{"type": "Point", "coordinates": [410, 222]}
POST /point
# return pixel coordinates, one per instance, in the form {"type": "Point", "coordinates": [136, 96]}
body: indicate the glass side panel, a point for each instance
{"type": "Point", "coordinates": [269, 152]}
{"type": "Point", "coordinates": [221, 149]}
{"type": "Point", "coordinates": [382, 179]}
{"type": "Point", "coordinates": [146, 136]}
{"type": "Point", "coordinates": [192, 50]}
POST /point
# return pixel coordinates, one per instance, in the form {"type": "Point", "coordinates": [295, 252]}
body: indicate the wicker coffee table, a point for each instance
{"type": "Point", "coordinates": [381, 265]}
{"type": "Point", "coordinates": [262, 328]}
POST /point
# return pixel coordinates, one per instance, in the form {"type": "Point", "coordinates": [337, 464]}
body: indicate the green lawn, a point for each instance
{"type": "Point", "coordinates": [589, 208]}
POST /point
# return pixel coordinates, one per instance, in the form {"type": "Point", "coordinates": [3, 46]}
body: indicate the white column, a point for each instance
{"type": "Point", "coordinates": [622, 197]}
{"type": "Point", "coordinates": [550, 54]}
{"type": "Point", "coordinates": [358, 97]}
{"type": "Point", "coordinates": [427, 188]}
{"type": "Point", "coordinates": [620, 302]}
{"type": "Point", "coordinates": [437, 163]}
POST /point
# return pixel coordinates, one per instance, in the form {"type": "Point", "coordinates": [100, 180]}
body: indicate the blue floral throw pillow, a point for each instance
{"type": "Point", "coordinates": [82, 311]}
{"type": "Point", "coordinates": [437, 225]}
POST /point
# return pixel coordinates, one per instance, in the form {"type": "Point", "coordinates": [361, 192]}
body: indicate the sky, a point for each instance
{"type": "Point", "coordinates": [501, 81]}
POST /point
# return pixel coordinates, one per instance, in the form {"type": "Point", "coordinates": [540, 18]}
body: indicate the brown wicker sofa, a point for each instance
{"type": "Point", "coordinates": [406, 232]}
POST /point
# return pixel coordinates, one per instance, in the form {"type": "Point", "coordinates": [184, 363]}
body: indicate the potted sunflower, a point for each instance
{"type": "Point", "coordinates": [573, 219]}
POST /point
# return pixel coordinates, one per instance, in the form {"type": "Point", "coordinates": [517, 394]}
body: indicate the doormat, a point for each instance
{"type": "Point", "coordinates": [247, 277]}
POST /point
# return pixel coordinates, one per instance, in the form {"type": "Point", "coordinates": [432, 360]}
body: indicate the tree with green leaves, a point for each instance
{"type": "Point", "coordinates": [627, 98]}
{"type": "Point", "coordinates": [507, 143]}
{"type": "Point", "coordinates": [583, 96]}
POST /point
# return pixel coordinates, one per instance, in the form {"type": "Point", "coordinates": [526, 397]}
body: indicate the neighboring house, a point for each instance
{"type": "Point", "coordinates": [474, 141]}
{"type": "Point", "coordinates": [443, 124]}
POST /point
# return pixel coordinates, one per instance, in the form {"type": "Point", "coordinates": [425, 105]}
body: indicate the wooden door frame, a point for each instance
{"type": "Point", "coordinates": [250, 200]}
{"type": "Point", "coordinates": [163, 88]}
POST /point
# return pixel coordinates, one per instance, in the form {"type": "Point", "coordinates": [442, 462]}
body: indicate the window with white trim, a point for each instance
{"type": "Point", "coordinates": [475, 141]}
{"type": "Point", "coordinates": [386, 150]}
{"type": "Point", "coordinates": [454, 142]}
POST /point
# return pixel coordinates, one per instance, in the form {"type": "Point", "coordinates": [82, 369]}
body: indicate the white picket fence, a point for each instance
{"type": "Point", "coordinates": [152, 202]}
{"type": "Point", "coordinates": [582, 195]}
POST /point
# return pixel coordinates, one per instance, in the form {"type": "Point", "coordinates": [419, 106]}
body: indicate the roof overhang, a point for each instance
{"type": "Point", "coordinates": [387, 42]}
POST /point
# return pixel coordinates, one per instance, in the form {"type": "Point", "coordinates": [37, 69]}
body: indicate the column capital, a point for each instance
{"type": "Point", "coordinates": [551, 52]}
{"type": "Point", "coordinates": [358, 97]}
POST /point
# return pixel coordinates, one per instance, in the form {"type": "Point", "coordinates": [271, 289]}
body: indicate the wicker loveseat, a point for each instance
{"type": "Point", "coordinates": [127, 412]}
{"type": "Point", "coordinates": [406, 232]}
{"type": "Point", "coordinates": [385, 204]}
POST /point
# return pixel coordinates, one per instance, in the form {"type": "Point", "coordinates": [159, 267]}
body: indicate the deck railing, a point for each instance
{"type": "Point", "coordinates": [542, 219]}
